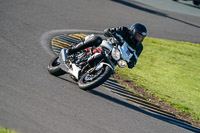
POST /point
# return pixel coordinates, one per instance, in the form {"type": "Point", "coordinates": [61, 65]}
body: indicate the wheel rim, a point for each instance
{"type": "Point", "coordinates": [56, 62]}
{"type": "Point", "coordinates": [91, 76]}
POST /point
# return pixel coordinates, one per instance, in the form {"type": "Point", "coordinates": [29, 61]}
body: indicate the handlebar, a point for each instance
{"type": "Point", "coordinates": [117, 38]}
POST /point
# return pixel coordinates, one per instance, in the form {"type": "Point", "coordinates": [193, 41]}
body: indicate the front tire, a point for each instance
{"type": "Point", "coordinates": [88, 85]}
{"type": "Point", "coordinates": [54, 67]}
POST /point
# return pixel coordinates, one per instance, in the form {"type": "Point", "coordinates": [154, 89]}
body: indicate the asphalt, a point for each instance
{"type": "Point", "coordinates": [31, 100]}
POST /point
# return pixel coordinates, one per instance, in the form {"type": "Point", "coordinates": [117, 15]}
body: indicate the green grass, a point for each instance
{"type": "Point", "coordinates": [3, 130]}
{"type": "Point", "coordinates": [169, 70]}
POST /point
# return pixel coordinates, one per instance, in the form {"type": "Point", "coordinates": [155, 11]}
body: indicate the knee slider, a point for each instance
{"type": "Point", "coordinates": [93, 40]}
{"type": "Point", "coordinates": [97, 40]}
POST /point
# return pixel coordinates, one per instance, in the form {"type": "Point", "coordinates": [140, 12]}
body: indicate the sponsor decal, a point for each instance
{"type": "Point", "coordinates": [128, 52]}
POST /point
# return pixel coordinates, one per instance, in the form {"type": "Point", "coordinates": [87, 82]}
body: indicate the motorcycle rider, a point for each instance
{"type": "Point", "coordinates": [133, 36]}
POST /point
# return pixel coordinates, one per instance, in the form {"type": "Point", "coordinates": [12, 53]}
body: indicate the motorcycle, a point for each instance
{"type": "Point", "coordinates": [92, 66]}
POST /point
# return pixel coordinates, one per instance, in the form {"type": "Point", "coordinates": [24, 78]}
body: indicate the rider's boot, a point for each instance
{"type": "Point", "coordinates": [91, 41]}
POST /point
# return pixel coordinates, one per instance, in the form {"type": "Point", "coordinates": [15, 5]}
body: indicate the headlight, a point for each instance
{"type": "Point", "coordinates": [116, 54]}
{"type": "Point", "coordinates": [122, 63]}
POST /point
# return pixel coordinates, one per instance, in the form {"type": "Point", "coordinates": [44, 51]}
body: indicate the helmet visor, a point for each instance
{"type": "Point", "coordinates": [139, 37]}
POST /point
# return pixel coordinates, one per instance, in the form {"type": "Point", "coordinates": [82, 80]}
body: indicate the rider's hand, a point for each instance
{"type": "Point", "coordinates": [111, 33]}
{"type": "Point", "coordinates": [118, 38]}
{"type": "Point", "coordinates": [107, 33]}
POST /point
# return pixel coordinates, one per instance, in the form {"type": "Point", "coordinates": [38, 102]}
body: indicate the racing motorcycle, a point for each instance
{"type": "Point", "coordinates": [94, 65]}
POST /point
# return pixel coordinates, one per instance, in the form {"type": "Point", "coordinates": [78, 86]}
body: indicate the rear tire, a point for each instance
{"type": "Point", "coordinates": [95, 83]}
{"type": "Point", "coordinates": [54, 67]}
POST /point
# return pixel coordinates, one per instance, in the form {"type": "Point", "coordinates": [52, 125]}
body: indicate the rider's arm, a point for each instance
{"type": "Point", "coordinates": [135, 56]}
{"type": "Point", "coordinates": [119, 33]}
{"type": "Point", "coordinates": [119, 30]}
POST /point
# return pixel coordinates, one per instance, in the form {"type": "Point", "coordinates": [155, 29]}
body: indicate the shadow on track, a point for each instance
{"type": "Point", "coordinates": [185, 125]}
{"type": "Point", "coordinates": [70, 81]}
{"type": "Point", "coordinates": [155, 115]}
{"type": "Point", "coordinates": [138, 7]}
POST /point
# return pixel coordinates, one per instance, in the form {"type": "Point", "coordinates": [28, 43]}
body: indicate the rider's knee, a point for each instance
{"type": "Point", "coordinates": [95, 40]}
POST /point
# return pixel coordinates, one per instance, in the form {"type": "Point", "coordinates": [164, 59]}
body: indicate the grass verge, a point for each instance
{"type": "Point", "coordinates": [3, 130]}
{"type": "Point", "coordinates": [170, 70]}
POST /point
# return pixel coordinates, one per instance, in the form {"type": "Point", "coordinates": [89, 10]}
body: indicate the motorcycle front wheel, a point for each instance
{"type": "Point", "coordinates": [54, 67]}
{"type": "Point", "coordinates": [92, 80]}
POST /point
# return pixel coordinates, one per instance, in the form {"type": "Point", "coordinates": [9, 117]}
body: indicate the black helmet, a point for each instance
{"type": "Point", "coordinates": [138, 32]}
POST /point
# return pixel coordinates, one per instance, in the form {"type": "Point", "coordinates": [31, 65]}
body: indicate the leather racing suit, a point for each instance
{"type": "Point", "coordinates": [135, 48]}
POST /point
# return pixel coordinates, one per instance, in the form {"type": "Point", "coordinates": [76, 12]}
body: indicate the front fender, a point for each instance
{"type": "Point", "coordinates": [98, 67]}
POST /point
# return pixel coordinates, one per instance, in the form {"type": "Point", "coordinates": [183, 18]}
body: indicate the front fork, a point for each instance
{"type": "Point", "coordinates": [106, 61]}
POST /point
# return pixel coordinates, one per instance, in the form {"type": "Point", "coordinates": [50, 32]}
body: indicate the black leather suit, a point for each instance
{"type": "Point", "coordinates": [127, 36]}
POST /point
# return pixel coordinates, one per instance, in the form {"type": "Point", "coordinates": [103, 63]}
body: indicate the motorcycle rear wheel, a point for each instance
{"type": "Point", "coordinates": [54, 68]}
{"type": "Point", "coordinates": [105, 74]}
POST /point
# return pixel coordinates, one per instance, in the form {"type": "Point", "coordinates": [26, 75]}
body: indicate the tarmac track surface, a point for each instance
{"type": "Point", "coordinates": [31, 100]}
